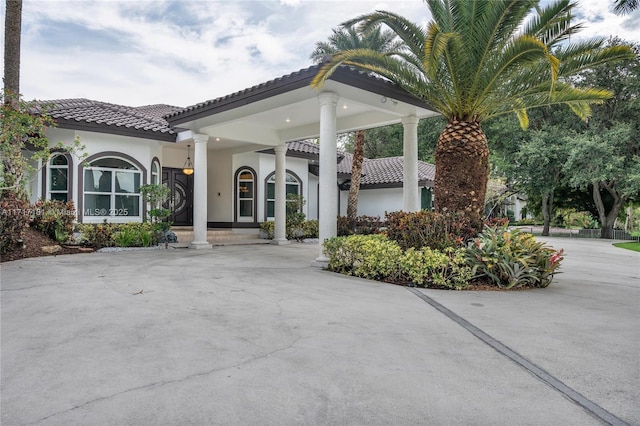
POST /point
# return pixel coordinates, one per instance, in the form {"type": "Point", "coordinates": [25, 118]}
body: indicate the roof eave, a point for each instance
{"type": "Point", "coordinates": [114, 130]}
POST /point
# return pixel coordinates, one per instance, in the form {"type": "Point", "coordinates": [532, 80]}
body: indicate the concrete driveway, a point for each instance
{"type": "Point", "coordinates": [254, 335]}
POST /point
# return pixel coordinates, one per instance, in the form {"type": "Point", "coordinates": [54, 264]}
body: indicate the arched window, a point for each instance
{"type": "Point", "coordinates": [293, 186]}
{"type": "Point", "coordinates": [245, 195]}
{"type": "Point", "coordinates": [58, 178]}
{"type": "Point", "coordinates": [112, 189]}
{"type": "Point", "coordinates": [155, 172]}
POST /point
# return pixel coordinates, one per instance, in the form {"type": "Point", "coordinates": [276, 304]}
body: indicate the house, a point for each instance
{"type": "Point", "coordinates": [248, 149]}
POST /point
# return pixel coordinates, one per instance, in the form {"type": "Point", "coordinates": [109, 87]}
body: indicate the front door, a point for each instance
{"type": "Point", "coordinates": [181, 197]}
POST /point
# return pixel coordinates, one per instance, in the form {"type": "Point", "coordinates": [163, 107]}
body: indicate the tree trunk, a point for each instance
{"type": "Point", "coordinates": [12, 27]}
{"type": "Point", "coordinates": [356, 173]}
{"type": "Point", "coordinates": [547, 212]}
{"type": "Point", "coordinates": [607, 219]}
{"type": "Point", "coordinates": [462, 170]}
{"type": "Point", "coordinates": [11, 170]}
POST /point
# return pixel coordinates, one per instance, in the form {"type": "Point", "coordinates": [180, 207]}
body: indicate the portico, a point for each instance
{"type": "Point", "coordinates": [288, 109]}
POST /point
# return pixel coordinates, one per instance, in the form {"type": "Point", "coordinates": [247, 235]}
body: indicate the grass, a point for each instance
{"type": "Point", "coordinates": [629, 246]}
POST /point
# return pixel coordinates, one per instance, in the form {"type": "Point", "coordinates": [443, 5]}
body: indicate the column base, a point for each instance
{"type": "Point", "coordinates": [321, 262]}
{"type": "Point", "coordinates": [280, 242]}
{"type": "Point", "coordinates": [200, 245]}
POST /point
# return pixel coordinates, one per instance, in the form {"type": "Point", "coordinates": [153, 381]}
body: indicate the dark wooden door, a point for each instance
{"type": "Point", "coordinates": [181, 197]}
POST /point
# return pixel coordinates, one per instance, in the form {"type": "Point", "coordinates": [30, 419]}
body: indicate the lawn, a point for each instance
{"type": "Point", "coordinates": [629, 246]}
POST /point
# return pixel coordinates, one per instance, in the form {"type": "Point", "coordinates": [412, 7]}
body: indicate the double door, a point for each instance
{"type": "Point", "coordinates": [181, 197]}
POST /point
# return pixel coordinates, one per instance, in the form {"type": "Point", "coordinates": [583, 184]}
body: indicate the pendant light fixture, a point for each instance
{"type": "Point", "coordinates": [187, 169]}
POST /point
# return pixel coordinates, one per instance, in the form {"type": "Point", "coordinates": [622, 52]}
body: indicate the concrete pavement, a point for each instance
{"type": "Point", "coordinates": [254, 335]}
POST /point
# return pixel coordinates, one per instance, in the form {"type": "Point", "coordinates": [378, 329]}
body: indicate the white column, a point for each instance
{"type": "Point", "coordinates": [200, 196]}
{"type": "Point", "coordinates": [280, 229]}
{"type": "Point", "coordinates": [328, 171]}
{"type": "Point", "coordinates": [410, 195]}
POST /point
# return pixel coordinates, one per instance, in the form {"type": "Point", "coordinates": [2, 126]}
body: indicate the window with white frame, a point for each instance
{"type": "Point", "coordinates": [112, 189]}
{"type": "Point", "coordinates": [245, 195]}
{"type": "Point", "coordinates": [155, 172]}
{"type": "Point", "coordinates": [292, 187]}
{"type": "Point", "coordinates": [58, 178]}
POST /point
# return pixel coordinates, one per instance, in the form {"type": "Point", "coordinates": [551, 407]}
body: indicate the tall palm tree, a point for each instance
{"type": "Point", "coordinates": [477, 60]}
{"type": "Point", "coordinates": [346, 38]}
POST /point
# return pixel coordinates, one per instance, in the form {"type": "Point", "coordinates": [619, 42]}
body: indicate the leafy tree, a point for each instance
{"type": "Point", "coordinates": [607, 161]}
{"type": "Point", "coordinates": [540, 162]}
{"type": "Point", "coordinates": [347, 38]}
{"type": "Point", "coordinates": [477, 60]}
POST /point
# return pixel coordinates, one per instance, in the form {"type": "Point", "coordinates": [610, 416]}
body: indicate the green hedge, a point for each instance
{"type": "Point", "coordinates": [505, 259]}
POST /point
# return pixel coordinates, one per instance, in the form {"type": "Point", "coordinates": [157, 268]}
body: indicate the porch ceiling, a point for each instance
{"type": "Point", "coordinates": [287, 109]}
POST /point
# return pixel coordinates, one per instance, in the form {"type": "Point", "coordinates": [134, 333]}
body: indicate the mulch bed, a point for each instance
{"type": "Point", "coordinates": [33, 241]}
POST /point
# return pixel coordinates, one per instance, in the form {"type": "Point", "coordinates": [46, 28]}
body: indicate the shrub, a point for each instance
{"type": "Point", "coordinates": [97, 235]}
{"type": "Point", "coordinates": [584, 220]}
{"type": "Point", "coordinates": [134, 235]}
{"type": "Point", "coordinates": [54, 218]}
{"type": "Point", "coordinates": [366, 256]}
{"type": "Point", "coordinates": [378, 257]}
{"type": "Point", "coordinates": [268, 227]}
{"type": "Point", "coordinates": [428, 229]}
{"type": "Point", "coordinates": [361, 225]}
{"type": "Point", "coordinates": [296, 230]}
{"type": "Point", "coordinates": [511, 259]}
{"type": "Point", "coordinates": [432, 268]}
{"type": "Point", "coordinates": [311, 229]}
{"type": "Point", "coordinates": [105, 234]}
{"type": "Point", "coordinates": [14, 217]}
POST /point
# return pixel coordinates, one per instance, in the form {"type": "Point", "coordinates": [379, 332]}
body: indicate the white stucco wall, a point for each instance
{"type": "Point", "coordinates": [220, 187]}
{"type": "Point", "coordinates": [375, 202]}
{"type": "Point", "coordinates": [142, 150]}
{"type": "Point", "coordinates": [312, 197]}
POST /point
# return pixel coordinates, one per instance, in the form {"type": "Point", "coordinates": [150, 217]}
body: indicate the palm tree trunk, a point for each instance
{"type": "Point", "coordinates": [356, 173]}
{"type": "Point", "coordinates": [462, 170]}
{"type": "Point", "coordinates": [12, 28]}
{"type": "Point", "coordinates": [11, 170]}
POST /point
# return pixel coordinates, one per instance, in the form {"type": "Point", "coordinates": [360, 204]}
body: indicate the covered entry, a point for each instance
{"type": "Point", "coordinates": [288, 109]}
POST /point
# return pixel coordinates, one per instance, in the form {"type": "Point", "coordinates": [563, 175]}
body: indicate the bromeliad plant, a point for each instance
{"type": "Point", "coordinates": [511, 259]}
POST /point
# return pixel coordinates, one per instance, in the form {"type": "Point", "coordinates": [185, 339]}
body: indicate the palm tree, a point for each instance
{"type": "Point", "coordinates": [477, 60]}
{"type": "Point", "coordinates": [345, 38]}
{"type": "Point", "coordinates": [624, 7]}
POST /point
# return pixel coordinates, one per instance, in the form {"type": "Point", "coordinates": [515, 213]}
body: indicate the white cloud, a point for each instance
{"type": "Point", "coordinates": [139, 52]}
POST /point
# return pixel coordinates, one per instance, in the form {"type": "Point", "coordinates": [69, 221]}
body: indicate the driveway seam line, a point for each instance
{"type": "Point", "coordinates": [586, 404]}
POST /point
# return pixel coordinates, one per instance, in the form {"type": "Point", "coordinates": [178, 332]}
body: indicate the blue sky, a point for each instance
{"type": "Point", "coordinates": [183, 52]}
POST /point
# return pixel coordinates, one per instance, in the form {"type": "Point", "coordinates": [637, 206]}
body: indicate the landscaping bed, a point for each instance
{"type": "Point", "coordinates": [32, 243]}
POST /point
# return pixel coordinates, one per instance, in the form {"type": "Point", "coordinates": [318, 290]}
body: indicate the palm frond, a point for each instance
{"type": "Point", "coordinates": [411, 34]}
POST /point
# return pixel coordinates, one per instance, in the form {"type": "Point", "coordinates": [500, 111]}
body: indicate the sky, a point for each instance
{"type": "Point", "coordinates": [184, 52]}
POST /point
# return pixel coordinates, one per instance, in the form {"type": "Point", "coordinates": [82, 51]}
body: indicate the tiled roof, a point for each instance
{"type": "Point", "coordinates": [145, 121]}
{"type": "Point", "coordinates": [306, 147]}
{"type": "Point", "coordinates": [386, 171]}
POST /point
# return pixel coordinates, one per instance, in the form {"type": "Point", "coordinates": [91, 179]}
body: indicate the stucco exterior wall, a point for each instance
{"type": "Point", "coordinates": [374, 202]}
{"type": "Point", "coordinates": [142, 150]}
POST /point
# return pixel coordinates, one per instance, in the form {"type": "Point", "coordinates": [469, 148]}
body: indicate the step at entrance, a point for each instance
{"type": "Point", "coordinates": [217, 237]}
